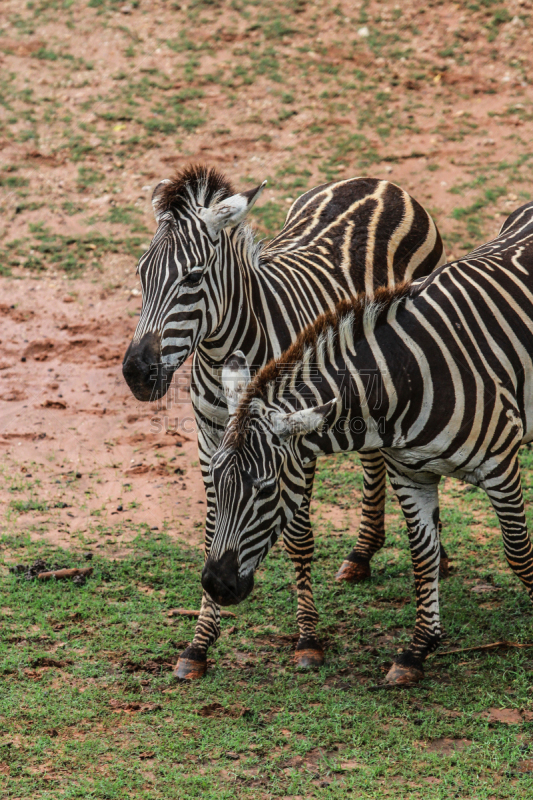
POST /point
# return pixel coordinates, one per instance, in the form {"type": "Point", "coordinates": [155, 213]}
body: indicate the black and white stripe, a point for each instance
{"type": "Point", "coordinates": [209, 289]}
{"type": "Point", "coordinates": [452, 394]}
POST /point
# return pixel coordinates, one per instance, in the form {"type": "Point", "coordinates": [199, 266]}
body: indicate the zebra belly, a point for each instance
{"type": "Point", "coordinates": [416, 465]}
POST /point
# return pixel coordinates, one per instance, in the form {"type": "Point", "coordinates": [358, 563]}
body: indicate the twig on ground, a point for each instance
{"type": "Point", "coordinates": [491, 646]}
{"type": "Point", "coordinates": [64, 573]}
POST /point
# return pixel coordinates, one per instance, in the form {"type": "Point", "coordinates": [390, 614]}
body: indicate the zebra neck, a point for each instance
{"type": "Point", "coordinates": [251, 316]}
{"type": "Point", "coordinates": [230, 306]}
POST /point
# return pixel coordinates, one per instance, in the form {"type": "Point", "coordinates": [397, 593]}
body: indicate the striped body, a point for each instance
{"type": "Point", "coordinates": [214, 294]}
{"type": "Point", "coordinates": [451, 393]}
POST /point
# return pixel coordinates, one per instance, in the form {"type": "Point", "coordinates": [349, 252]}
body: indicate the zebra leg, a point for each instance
{"type": "Point", "coordinates": [192, 663]}
{"type": "Point", "coordinates": [444, 564]}
{"type": "Point", "coordinates": [505, 493]}
{"type": "Point", "coordinates": [356, 567]}
{"type": "Point", "coordinates": [299, 544]}
{"type": "Point", "coordinates": [420, 505]}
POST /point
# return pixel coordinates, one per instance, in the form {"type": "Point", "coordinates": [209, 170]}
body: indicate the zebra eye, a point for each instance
{"type": "Point", "coordinates": [194, 277]}
{"type": "Point", "coordinates": [265, 490]}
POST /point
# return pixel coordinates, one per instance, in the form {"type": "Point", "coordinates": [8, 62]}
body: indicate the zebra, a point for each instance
{"type": "Point", "coordinates": [451, 360]}
{"type": "Point", "coordinates": [208, 289]}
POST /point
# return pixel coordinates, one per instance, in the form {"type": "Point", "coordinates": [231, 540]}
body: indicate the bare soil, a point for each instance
{"type": "Point", "coordinates": [72, 434]}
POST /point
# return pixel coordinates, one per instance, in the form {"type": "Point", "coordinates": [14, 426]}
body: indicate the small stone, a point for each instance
{"type": "Point", "coordinates": [364, 32]}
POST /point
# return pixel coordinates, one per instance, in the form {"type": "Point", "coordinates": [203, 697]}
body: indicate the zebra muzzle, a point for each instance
{"type": "Point", "coordinates": [143, 370]}
{"type": "Point", "coordinates": [222, 582]}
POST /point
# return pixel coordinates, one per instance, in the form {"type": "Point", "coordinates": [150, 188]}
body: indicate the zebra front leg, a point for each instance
{"type": "Point", "coordinates": [299, 544]}
{"type": "Point", "coordinates": [420, 506]}
{"type": "Point", "coordinates": [192, 663]}
{"type": "Point", "coordinates": [356, 567]}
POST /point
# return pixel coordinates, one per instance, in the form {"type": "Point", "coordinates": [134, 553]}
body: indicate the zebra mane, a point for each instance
{"type": "Point", "coordinates": [195, 185]}
{"type": "Point", "coordinates": [360, 314]}
{"type": "Point", "coordinates": [199, 185]}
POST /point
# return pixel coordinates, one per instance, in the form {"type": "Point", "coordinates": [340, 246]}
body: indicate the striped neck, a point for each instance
{"type": "Point", "coordinates": [233, 286]}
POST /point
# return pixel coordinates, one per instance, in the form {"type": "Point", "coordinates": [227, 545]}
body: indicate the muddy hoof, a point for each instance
{"type": "Point", "coordinates": [309, 658]}
{"type": "Point", "coordinates": [353, 572]}
{"type": "Point", "coordinates": [190, 669]}
{"type": "Point", "coordinates": [444, 568]}
{"type": "Point", "coordinates": [404, 675]}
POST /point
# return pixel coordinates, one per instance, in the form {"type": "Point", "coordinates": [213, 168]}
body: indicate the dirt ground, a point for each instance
{"type": "Point", "coordinates": [101, 100]}
{"type": "Point", "coordinates": [72, 434]}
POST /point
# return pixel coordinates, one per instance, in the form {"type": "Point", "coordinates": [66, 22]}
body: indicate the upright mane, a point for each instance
{"type": "Point", "coordinates": [196, 184]}
{"type": "Point", "coordinates": [357, 312]}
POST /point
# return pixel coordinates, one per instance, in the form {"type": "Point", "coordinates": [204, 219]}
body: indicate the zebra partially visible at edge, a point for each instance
{"type": "Point", "coordinates": [209, 289]}
{"type": "Point", "coordinates": [454, 397]}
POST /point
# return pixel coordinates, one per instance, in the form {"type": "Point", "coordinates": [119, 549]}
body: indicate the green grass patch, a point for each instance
{"type": "Point", "coordinates": [269, 218]}
{"type": "Point", "coordinates": [23, 506]}
{"type": "Point", "coordinates": [72, 254]}
{"type": "Point", "coordinates": [89, 707]}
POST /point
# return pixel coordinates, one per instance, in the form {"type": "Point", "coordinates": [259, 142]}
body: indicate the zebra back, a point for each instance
{"type": "Point", "coordinates": [362, 232]}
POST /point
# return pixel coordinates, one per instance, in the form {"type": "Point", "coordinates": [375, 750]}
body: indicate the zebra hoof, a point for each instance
{"type": "Point", "coordinates": [190, 669]}
{"type": "Point", "coordinates": [353, 572]}
{"type": "Point", "coordinates": [444, 568]}
{"type": "Point", "coordinates": [404, 676]}
{"type": "Point", "coordinates": [308, 654]}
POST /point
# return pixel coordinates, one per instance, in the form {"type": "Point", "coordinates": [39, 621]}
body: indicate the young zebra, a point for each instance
{"type": "Point", "coordinates": [452, 394]}
{"type": "Point", "coordinates": [208, 289]}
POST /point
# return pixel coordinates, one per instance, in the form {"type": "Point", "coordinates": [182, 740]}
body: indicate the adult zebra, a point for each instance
{"type": "Point", "coordinates": [452, 359]}
{"type": "Point", "coordinates": [208, 289]}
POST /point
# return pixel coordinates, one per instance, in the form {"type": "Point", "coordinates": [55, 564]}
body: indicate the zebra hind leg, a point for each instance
{"type": "Point", "coordinates": [444, 563]}
{"type": "Point", "coordinates": [356, 567]}
{"type": "Point", "coordinates": [299, 544]}
{"type": "Point", "coordinates": [505, 493]}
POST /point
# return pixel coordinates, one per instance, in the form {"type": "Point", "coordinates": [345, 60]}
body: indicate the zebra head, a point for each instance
{"type": "Point", "coordinates": [259, 478]}
{"type": "Point", "coordinates": [182, 276]}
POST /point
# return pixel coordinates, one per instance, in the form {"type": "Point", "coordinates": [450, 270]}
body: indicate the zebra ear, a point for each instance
{"type": "Point", "coordinates": [305, 421]}
{"type": "Point", "coordinates": [235, 378]}
{"type": "Point", "coordinates": [231, 211]}
{"type": "Point", "coordinates": [156, 197]}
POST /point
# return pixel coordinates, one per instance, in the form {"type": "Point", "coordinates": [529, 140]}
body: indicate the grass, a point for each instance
{"type": "Point", "coordinates": [288, 55]}
{"type": "Point", "coordinates": [89, 707]}
{"type": "Point", "coordinates": [45, 250]}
